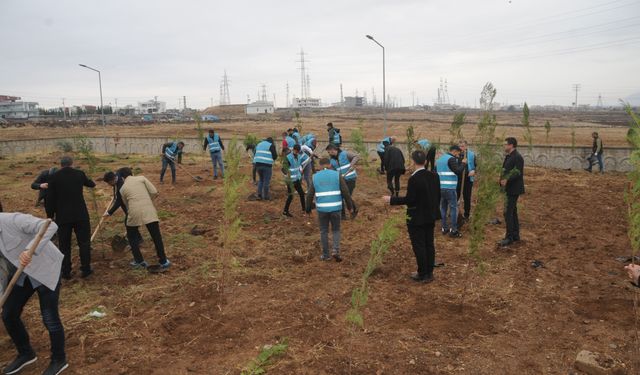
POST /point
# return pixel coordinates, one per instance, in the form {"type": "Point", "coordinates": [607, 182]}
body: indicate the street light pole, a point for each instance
{"type": "Point", "coordinates": [104, 122]}
{"type": "Point", "coordinates": [384, 88]}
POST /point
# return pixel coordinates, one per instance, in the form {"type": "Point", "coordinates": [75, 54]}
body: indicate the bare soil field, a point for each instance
{"type": "Point", "coordinates": [513, 319]}
{"type": "Point", "coordinates": [433, 125]}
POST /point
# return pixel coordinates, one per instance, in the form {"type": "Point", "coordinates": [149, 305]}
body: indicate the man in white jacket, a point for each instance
{"type": "Point", "coordinates": [41, 275]}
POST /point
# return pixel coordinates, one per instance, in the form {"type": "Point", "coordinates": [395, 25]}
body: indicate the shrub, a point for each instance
{"type": "Point", "coordinates": [250, 140]}
{"type": "Point", "coordinates": [456, 127]}
{"type": "Point", "coordinates": [65, 145]}
{"type": "Point", "coordinates": [547, 130]}
{"type": "Point", "coordinates": [411, 139]}
{"type": "Point", "coordinates": [258, 365]}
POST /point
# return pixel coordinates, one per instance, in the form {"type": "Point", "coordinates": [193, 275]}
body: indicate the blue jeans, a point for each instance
{"type": "Point", "coordinates": [264, 176]}
{"type": "Point", "coordinates": [216, 159]}
{"type": "Point", "coordinates": [449, 200]}
{"type": "Point", "coordinates": [324, 220]}
{"type": "Point", "coordinates": [166, 162]}
{"type": "Point", "coordinates": [12, 310]}
{"type": "Point", "coordinates": [306, 174]}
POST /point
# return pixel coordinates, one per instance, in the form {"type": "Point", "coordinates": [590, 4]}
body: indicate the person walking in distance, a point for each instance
{"type": "Point", "coordinates": [214, 143]}
{"type": "Point", "coordinates": [423, 210]}
{"type": "Point", "coordinates": [381, 148]}
{"type": "Point", "coordinates": [449, 169]}
{"type": "Point", "coordinates": [345, 163]}
{"type": "Point", "coordinates": [465, 182]}
{"type": "Point", "coordinates": [137, 195]}
{"type": "Point", "coordinates": [66, 204]}
{"type": "Point", "coordinates": [171, 153]}
{"type": "Point", "coordinates": [265, 155]}
{"type": "Point", "coordinates": [291, 168]}
{"type": "Point", "coordinates": [394, 166]}
{"type": "Point", "coordinates": [42, 276]}
{"type": "Point", "coordinates": [596, 153]}
{"type": "Point", "coordinates": [329, 190]}
{"type": "Point", "coordinates": [512, 181]}
{"type": "Point", "coordinates": [334, 135]}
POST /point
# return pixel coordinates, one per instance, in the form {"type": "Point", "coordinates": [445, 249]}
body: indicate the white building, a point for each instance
{"type": "Point", "coordinates": [18, 109]}
{"type": "Point", "coordinates": [260, 107]}
{"type": "Point", "coordinates": [305, 103]}
{"type": "Point", "coordinates": [152, 106]}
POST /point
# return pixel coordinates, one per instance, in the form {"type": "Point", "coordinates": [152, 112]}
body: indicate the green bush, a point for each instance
{"type": "Point", "coordinates": [65, 145]}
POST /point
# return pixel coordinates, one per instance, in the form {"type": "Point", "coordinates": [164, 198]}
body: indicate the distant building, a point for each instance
{"type": "Point", "coordinates": [355, 101]}
{"type": "Point", "coordinates": [152, 106]}
{"type": "Point", "coordinates": [260, 107]}
{"type": "Point", "coordinates": [12, 108]}
{"type": "Point", "coordinates": [305, 103]}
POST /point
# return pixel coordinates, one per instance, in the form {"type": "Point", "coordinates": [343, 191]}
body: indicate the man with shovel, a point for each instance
{"type": "Point", "coordinates": [171, 152]}
{"type": "Point", "coordinates": [116, 180]}
{"type": "Point", "coordinates": [42, 276]}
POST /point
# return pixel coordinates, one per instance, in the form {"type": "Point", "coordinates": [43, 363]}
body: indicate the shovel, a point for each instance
{"type": "Point", "coordinates": [95, 232]}
{"type": "Point", "coordinates": [197, 178]}
{"type": "Point", "coordinates": [31, 251]}
{"type": "Point", "coordinates": [461, 219]}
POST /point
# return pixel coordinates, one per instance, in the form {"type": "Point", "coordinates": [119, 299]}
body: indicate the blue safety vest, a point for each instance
{"type": "Point", "coordinates": [309, 141]}
{"type": "Point", "coordinates": [296, 137]}
{"type": "Point", "coordinates": [425, 144]}
{"type": "Point", "coordinates": [263, 153]}
{"type": "Point", "coordinates": [294, 167]}
{"type": "Point", "coordinates": [381, 144]}
{"type": "Point", "coordinates": [471, 163]}
{"type": "Point", "coordinates": [304, 159]}
{"type": "Point", "coordinates": [342, 165]}
{"type": "Point", "coordinates": [172, 151]}
{"type": "Point", "coordinates": [327, 186]}
{"type": "Point", "coordinates": [448, 179]}
{"type": "Point", "coordinates": [214, 143]}
{"type": "Point", "coordinates": [290, 142]}
{"type": "Point", "coordinates": [337, 139]}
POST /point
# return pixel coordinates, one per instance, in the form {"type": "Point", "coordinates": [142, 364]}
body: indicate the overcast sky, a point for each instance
{"type": "Point", "coordinates": [531, 50]}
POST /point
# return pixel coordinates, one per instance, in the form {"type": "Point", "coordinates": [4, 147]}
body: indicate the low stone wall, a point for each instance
{"type": "Point", "coordinates": [561, 157]}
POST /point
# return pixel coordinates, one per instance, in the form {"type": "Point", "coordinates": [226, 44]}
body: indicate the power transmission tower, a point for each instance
{"type": "Point", "coordinates": [184, 99]}
{"type": "Point", "coordinates": [413, 98]}
{"type": "Point", "coordinates": [287, 94]}
{"type": "Point", "coordinates": [263, 94]}
{"type": "Point", "coordinates": [577, 88]}
{"type": "Point", "coordinates": [225, 98]}
{"type": "Point", "coordinates": [374, 101]}
{"type": "Point", "coordinates": [600, 105]}
{"type": "Point", "coordinates": [341, 96]}
{"type": "Point", "coordinates": [303, 76]}
{"type": "Point", "coordinates": [64, 112]}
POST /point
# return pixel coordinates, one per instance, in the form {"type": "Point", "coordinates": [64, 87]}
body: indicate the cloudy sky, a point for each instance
{"type": "Point", "coordinates": [532, 50]}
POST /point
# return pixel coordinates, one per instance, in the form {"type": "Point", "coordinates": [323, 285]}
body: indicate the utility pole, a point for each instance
{"type": "Point", "coordinates": [184, 100]}
{"type": "Point", "coordinates": [64, 112]}
{"type": "Point", "coordinates": [413, 98]}
{"type": "Point", "coordinates": [384, 85]}
{"type": "Point", "coordinates": [577, 88]}
{"type": "Point", "coordinates": [287, 94]}
{"type": "Point", "coordinates": [116, 106]}
{"type": "Point", "coordinates": [341, 96]}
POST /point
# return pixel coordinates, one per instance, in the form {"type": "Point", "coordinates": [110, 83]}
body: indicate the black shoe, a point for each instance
{"type": "Point", "coordinates": [86, 274]}
{"type": "Point", "coordinates": [287, 214]}
{"type": "Point", "coordinates": [67, 276]}
{"type": "Point", "coordinates": [56, 367]}
{"type": "Point", "coordinates": [455, 234]}
{"type": "Point", "coordinates": [588, 170]}
{"type": "Point", "coordinates": [505, 242]}
{"type": "Point", "coordinates": [337, 257]}
{"type": "Point", "coordinates": [354, 214]}
{"type": "Point", "coordinates": [421, 278]}
{"type": "Point", "coordinates": [445, 232]}
{"type": "Point", "coordinates": [19, 363]}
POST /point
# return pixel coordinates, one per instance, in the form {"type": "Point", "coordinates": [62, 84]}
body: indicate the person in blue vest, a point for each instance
{"type": "Point", "coordinates": [430, 151]}
{"type": "Point", "coordinates": [334, 135]}
{"type": "Point", "coordinates": [469, 177]}
{"type": "Point", "coordinates": [295, 134]}
{"type": "Point", "coordinates": [387, 141]}
{"type": "Point", "coordinates": [449, 168]}
{"type": "Point", "coordinates": [329, 190]}
{"type": "Point", "coordinates": [308, 167]}
{"type": "Point", "coordinates": [345, 162]}
{"type": "Point", "coordinates": [292, 170]}
{"type": "Point", "coordinates": [265, 155]}
{"type": "Point", "coordinates": [287, 141]}
{"type": "Point", "coordinates": [214, 143]}
{"type": "Point", "coordinates": [171, 153]}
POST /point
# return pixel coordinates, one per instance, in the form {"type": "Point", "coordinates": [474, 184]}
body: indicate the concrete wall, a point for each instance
{"type": "Point", "coordinates": [562, 157]}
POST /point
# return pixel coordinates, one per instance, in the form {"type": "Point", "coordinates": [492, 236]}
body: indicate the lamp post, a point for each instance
{"type": "Point", "coordinates": [384, 90]}
{"type": "Point", "coordinates": [104, 122]}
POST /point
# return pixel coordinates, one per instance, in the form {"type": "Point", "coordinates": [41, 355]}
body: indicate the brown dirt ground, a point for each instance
{"type": "Point", "coordinates": [434, 125]}
{"type": "Point", "coordinates": [515, 319]}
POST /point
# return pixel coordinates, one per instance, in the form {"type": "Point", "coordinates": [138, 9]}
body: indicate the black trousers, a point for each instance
{"type": "Point", "coordinates": [351, 185]}
{"type": "Point", "coordinates": [297, 185]}
{"type": "Point", "coordinates": [82, 230]}
{"type": "Point", "coordinates": [466, 195]}
{"type": "Point", "coordinates": [421, 237]}
{"type": "Point", "coordinates": [381, 155]}
{"type": "Point", "coordinates": [511, 218]}
{"type": "Point", "coordinates": [12, 310]}
{"type": "Point", "coordinates": [133, 235]}
{"type": "Point", "coordinates": [393, 181]}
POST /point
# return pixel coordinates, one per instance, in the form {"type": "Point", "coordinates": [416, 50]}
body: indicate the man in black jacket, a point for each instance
{"type": "Point", "coordinates": [394, 165]}
{"type": "Point", "coordinates": [512, 181]}
{"type": "Point", "coordinates": [423, 210]}
{"type": "Point", "coordinates": [66, 204]}
{"type": "Point", "coordinates": [42, 184]}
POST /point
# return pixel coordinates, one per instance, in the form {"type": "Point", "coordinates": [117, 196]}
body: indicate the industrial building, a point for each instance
{"type": "Point", "coordinates": [152, 106]}
{"type": "Point", "coordinates": [355, 101]}
{"type": "Point", "coordinates": [305, 103]}
{"type": "Point", "coordinates": [11, 107]}
{"type": "Point", "coordinates": [260, 107]}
